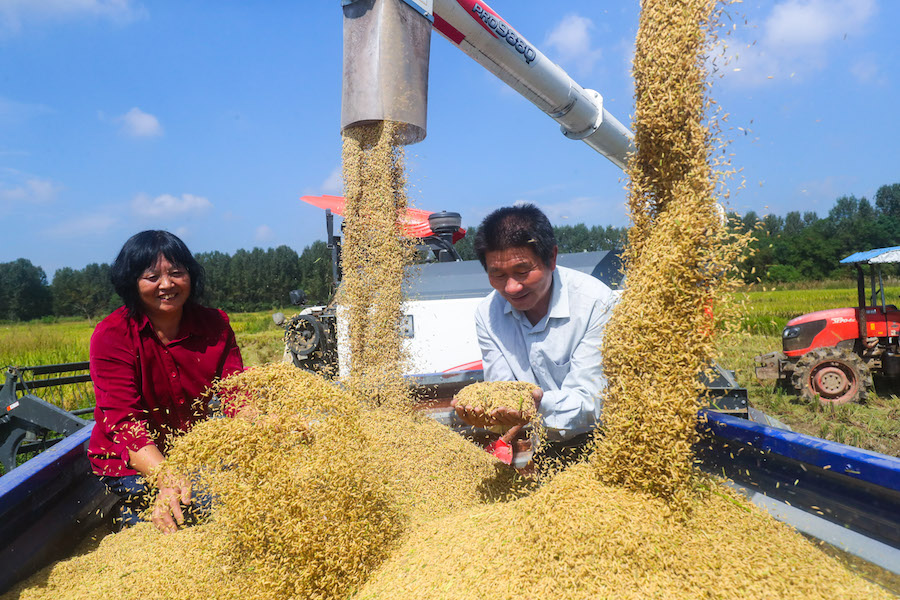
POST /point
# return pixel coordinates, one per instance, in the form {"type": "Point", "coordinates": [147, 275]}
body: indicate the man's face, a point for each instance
{"type": "Point", "coordinates": [522, 279]}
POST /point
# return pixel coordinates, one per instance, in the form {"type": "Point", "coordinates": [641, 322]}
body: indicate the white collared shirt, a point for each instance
{"type": "Point", "coordinates": [560, 354]}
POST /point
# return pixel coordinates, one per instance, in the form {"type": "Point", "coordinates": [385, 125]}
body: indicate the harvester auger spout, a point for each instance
{"type": "Point", "coordinates": [386, 54]}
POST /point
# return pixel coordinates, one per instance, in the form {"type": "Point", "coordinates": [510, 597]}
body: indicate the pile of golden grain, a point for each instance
{"type": "Point", "coordinates": [491, 395]}
{"type": "Point", "coordinates": [578, 538]}
{"type": "Point", "coordinates": [311, 495]}
{"type": "Point", "coordinates": [322, 496]}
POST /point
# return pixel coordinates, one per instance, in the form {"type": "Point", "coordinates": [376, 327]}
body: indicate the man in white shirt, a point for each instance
{"type": "Point", "coordinates": [543, 324]}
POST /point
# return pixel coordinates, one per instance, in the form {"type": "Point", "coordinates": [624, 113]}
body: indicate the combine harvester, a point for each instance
{"type": "Point", "coordinates": [847, 497]}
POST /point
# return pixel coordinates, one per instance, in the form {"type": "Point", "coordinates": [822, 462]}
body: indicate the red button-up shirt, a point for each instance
{"type": "Point", "coordinates": [148, 392]}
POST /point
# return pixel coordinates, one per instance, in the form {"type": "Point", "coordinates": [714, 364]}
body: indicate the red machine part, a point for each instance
{"type": "Point", "coordinates": [415, 222]}
{"type": "Point", "coordinates": [843, 324]}
{"type": "Point", "coordinates": [840, 324]}
{"type": "Point", "coordinates": [882, 324]}
{"type": "Point", "coordinates": [475, 365]}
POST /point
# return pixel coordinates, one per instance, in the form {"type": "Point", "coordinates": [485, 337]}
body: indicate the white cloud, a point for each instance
{"type": "Point", "coordinates": [12, 112]}
{"type": "Point", "coordinates": [137, 123]}
{"type": "Point", "coordinates": [14, 14]}
{"type": "Point", "coordinates": [810, 24]}
{"type": "Point", "coordinates": [81, 227]}
{"type": "Point", "coordinates": [866, 70]}
{"type": "Point", "coordinates": [264, 233]}
{"type": "Point", "coordinates": [796, 39]}
{"type": "Point", "coordinates": [571, 46]}
{"type": "Point", "coordinates": [334, 183]}
{"type": "Point", "coordinates": [16, 188]}
{"type": "Point", "coordinates": [167, 205]}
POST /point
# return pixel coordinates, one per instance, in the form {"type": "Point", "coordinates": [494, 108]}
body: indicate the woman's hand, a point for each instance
{"type": "Point", "coordinates": [174, 491]}
{"type": "Point", "coordinates": [167, 514]}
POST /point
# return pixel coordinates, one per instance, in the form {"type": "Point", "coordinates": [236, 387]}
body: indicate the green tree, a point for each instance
{"type": "Point", "coordinates": [218, 271]}
{"type": "Point", "coordinates": [574, 238]}
{"type": "Point", "coordinates": [793, 223]}
{"type": "Point", "coordinates": [466, 246]}
{"type": "Point", "coordinates": [844, 210]}
{"type": "Point", "coordinates": [316, 268]}
{"type": "Point", "coordinates": [772, 225]}
{"type": "Point", "coordinates": [887, 200]}
{"type": "Point", "coordinates": [784, 273]}
{"type": "Point", "coordinates": [88, 293]}
{"type": "Point", "coordinates": [286, 272]}
{"type": "Point", "coordinates": [750, 221]}
{"type": "Point", "coordinates": [24, 292]}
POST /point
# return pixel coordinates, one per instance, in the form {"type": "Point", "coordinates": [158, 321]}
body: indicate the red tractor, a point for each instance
{"type": "Point", "coordinates": [831, 355]}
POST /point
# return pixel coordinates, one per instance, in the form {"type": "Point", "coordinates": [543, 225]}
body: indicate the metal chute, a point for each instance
{"type": "Point", "coordinates": [386, 52]}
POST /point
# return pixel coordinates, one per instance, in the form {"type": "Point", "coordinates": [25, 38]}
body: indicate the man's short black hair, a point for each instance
{"type": "Point", "coordinates": [515, 227]}
{"type": "Point", "coordinates": [140, 253]}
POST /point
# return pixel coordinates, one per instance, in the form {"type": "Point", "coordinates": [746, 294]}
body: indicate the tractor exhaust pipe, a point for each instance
{"type": "Point", "coordinates": [386, 53]}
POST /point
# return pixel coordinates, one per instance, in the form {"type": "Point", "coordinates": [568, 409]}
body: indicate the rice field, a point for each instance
{"type": "Point", "coordinates": [767, 310]}
{"type": "Point", "coordinates": [47, 342]}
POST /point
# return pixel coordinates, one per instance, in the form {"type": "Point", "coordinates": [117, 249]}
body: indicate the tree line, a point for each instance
{"type": "Point", "coordinates": [804, 247]}
{"type": "Point", "coordinates": [796, 247]}
{"type": "Point", "coordinates": [248, 280]}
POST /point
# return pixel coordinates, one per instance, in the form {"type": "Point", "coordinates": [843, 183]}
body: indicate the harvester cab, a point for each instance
{"type": "Point", "coordinates": [831, 355]}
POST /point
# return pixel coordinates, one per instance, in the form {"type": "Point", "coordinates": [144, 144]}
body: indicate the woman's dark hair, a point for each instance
{"type": "Point", "coordinates": [140, 253]}
{"type": "Point", "coordinates": [515, 227]}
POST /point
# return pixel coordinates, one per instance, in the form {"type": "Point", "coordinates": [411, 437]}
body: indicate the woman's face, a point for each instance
{"type": "Point", "coordinates": [164, 288]}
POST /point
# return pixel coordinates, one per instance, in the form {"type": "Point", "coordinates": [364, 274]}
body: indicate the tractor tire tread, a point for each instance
{"type": "Point", "coordinates": [804, 367]}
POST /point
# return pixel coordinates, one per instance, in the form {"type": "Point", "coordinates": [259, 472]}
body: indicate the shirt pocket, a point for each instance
{"type": "Point", "coordinates": [555, 371]}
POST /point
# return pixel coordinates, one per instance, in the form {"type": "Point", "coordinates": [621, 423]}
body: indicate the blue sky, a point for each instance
{"type": "Point", "coordinates": [211, 119]}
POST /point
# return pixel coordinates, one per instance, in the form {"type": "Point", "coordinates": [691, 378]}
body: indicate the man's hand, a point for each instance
{"type": "Point", "coordinates": [470, 415]}
{"type": "Point", "coordinates": [167, 513]}
{"type": "Point", "coordinates": [509, 417]}
{"type": "Point", "coordinates": [506, 417]}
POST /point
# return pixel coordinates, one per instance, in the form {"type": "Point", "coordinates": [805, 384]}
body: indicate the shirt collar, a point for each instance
{"type": "Point", "coordinates": [559, 302]}
{"type": "Point", "coordinates": [187, 328]}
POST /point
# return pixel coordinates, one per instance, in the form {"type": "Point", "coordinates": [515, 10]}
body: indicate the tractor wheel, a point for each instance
{"type": "Point", "coordinates": [832, 375]}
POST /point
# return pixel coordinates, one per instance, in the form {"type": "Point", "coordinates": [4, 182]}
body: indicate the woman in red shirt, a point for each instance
{"type": "Point", "coordinates": [152, 361]}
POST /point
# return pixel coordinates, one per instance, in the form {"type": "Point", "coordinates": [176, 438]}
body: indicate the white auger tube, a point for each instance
{"type": "Point", "coordinates": [484, 35]}
{"type": "Point", "coordinates": [386, 53]}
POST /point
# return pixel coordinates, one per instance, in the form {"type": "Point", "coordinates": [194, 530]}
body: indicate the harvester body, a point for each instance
{"type": "Point", "coordinates": [831, 355]}
{"type": "Point", "coordinates": [438, 323]}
